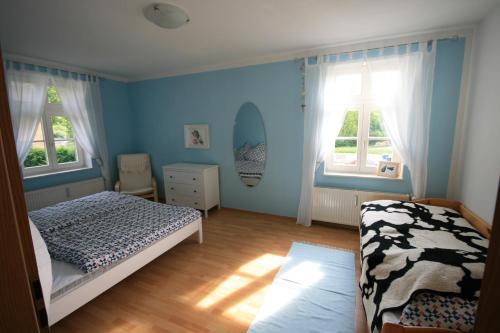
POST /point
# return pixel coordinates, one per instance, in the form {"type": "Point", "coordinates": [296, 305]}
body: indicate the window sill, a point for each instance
{"type": "Point", "coordinates": [361, 175]}
{"type": "Point", "coordinates": [51, 173]}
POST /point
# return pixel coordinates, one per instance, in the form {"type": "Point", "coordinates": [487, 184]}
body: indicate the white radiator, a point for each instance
{"type": "Point", "coordinates": [51, 195]}
{"type": "Point", "coordinates": [343, 206]}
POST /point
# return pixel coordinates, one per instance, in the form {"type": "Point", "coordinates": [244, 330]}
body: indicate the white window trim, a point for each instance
{"type": "Point", "coordinates": [52, 109]}
{"type": "Point", "coordinates": [364, 105]}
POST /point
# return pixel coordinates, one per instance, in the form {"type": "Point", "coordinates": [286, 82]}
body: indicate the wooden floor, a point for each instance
{"type": "Point", "coordinates": [214, 287]}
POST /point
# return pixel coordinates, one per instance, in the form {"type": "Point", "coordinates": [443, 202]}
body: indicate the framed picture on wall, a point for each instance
{"type": "Point", "coordinates": [388, 169]}
{"type": "Point", "coordinates": [196, 136]}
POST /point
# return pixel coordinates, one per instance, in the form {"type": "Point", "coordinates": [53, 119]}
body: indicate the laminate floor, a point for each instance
{"type": "Point", "coordinates": [217, 286]}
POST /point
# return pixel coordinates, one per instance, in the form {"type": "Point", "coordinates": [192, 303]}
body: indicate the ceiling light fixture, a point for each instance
{"type": "Point", "coordinates": [166, 15]}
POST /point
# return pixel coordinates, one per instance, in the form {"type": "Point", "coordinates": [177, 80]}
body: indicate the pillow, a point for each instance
{"type": "Point", "coordinates": [43, 263]}
{"type": "Point", "coordinates": [257, 153]}
{"type": "Point", "coordinates": [239, 154]}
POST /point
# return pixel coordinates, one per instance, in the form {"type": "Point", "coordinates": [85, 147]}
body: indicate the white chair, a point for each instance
{"type": "Point", "coordinates": [135, 176]}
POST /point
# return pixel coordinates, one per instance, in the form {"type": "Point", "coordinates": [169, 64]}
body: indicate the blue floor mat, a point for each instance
{"type": "Point", "coordinates": [314, 291]}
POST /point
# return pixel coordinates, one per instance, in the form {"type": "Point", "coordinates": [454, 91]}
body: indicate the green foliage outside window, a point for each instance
{"type": "Point", "coordinates": [376, 126]}
{"type": "Point", "coordinates": [66, 153]}
{"type": "Point", "coordinates": [350, 128]}
{"type": "Point", "coordinates": [35, 157]}
{"type": "Point", "coordinates": [53, 96]}
{"type": "Point", "coordinates": [61, 127]}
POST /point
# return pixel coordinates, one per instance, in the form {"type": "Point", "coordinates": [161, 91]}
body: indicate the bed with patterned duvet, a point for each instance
{"type": "Point", "coordinates": [98, 230]}
{"type": "Point", "coordinates": [423, 263]}
{"type": "Point", "coordinates": [87, 245]}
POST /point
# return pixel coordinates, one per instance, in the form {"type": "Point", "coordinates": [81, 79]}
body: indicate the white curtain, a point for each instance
{"type": "Point", "coordinates": [328, 93]}
{"type": "Point", "coordinates": [81, 102]}
{"type": "Point", "coordinates": [27, 90]}
{"type": "Point", "coordinates": [402, 87]}
{"type": "Point", "coordinates": [313, 150]}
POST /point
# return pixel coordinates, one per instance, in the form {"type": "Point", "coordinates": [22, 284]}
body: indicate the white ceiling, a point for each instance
{"type": "Point", "coordinates": [112, 36]}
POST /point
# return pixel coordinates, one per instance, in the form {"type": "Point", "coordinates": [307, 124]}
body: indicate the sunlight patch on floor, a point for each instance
{"type": "Point", "coordinates": [246, 310]}
{"type": "Point", "coordinates": [226, 288]}
{"type": "Point", "coordinates": [283, 292]}
{"type": "Point", "coordinates": [262, 265]}
{"type": "Point", "coordinates": [245, 275]}
{"type": "Point", "coordinates": [121, 325]}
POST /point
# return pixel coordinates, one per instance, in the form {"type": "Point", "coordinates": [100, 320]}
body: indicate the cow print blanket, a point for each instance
{"type": "Point", "coordinates": [408, 248]}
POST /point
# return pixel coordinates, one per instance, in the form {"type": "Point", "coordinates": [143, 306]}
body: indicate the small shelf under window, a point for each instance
{"type": "Point", "coordinates": [361, 175]}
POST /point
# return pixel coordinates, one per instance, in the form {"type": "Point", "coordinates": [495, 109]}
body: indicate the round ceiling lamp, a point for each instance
{"type": "Point", "coordinates": [166, 15]}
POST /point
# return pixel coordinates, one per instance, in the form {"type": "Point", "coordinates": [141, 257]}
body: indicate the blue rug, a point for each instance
{"type": "Point", "coordinates": [314, 291]}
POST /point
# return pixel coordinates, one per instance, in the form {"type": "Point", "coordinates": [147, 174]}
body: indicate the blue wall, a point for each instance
{"type": "Point", "coordinates": [118, 124]}
{"type": "Point", "coordinates": [446, 94]}
{"type": "Point", "coordinates": [148, 116]}
{"type": "Point", "coordinates": [161, 108]}
{"type": "Point", "coordinates": [117, 121]}
{"type": "Point", "coordinates": [248, 127]}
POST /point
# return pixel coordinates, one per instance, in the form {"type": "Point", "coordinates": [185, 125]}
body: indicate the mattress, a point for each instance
{"type": "Point", "coordinates": [63, 276]}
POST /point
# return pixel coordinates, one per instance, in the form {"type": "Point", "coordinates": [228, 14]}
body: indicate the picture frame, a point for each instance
{"type": "Point", "coordinates": [388, 169]}
{"type": "Point", "coordinates": [196, 136]}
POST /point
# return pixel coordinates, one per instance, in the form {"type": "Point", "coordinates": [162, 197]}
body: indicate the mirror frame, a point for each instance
{"type": "Point", "coordinates": [265, 142]}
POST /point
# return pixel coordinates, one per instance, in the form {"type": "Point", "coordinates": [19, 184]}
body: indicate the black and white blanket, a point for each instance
{"type": "Point", "coordinates": [100, 229]}
{"type": "Point", "coordinates": [408, 248]}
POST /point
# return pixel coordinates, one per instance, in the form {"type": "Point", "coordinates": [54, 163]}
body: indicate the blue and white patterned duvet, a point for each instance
{"type": "Point", "coordinates": [100, 229]}
{"type": "Point", "coordinates": [250, 169]}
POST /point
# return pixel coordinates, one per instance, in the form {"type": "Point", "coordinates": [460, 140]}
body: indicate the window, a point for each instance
{"type": "Point", "coordinates": [362, 140]}
{"type": "Point", "coordinates": [54, 147]}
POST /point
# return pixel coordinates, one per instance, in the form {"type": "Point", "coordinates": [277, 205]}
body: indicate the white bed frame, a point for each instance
{"type": "Point", "coordinates": [74, 299]}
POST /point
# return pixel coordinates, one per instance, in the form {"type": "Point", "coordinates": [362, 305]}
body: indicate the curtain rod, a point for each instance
{"type": "Point", "coordinates": [452, 38]}
{"type": "Point", "coordinates": [387, 42]}
{"type": "Point", "coordinates": [59, 66]}
{"type": "Point", "coordinates": [51, 71]}
{"type": "Point", "coordinates": [390, 45]}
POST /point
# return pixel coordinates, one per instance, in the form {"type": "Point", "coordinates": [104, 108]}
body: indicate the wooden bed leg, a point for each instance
{"type": "Point", "coordinates": [200, 233]}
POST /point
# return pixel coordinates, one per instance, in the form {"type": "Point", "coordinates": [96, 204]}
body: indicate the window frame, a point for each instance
{"type": "Point", "coordinates": [54, 109]}
{"type": "Point", "coordinates": [365, 105]}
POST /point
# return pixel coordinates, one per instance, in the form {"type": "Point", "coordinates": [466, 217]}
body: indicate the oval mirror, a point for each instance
{"type": "Point", "coordinates": [249, 144]}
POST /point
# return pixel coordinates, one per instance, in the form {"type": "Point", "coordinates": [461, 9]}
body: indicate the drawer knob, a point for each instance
{"type": "Point", "coordinates": [171, 177]}
{"type": "Point", "coordinates": [195, 191]}
{"type": "Point", "coordinates": [173, 199]}
{"type": "Point", "coordinates": [195, 203]}
{"type": "Point", "coordinates": [194, 178]}
{"type": "Point", "coordinates": [171, 188]}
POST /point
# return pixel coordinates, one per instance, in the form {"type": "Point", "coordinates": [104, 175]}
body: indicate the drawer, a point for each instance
{"type": "Point", "coordinates": [179, 200]}
{"type": "Point", "coordinates": [182, 177]}
{"type": "Point", "coordinates": [188, 190]}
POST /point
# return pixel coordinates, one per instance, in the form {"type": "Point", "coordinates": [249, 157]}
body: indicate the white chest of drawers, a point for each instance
{"type": "Point", "coordinates": [192, 185]}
